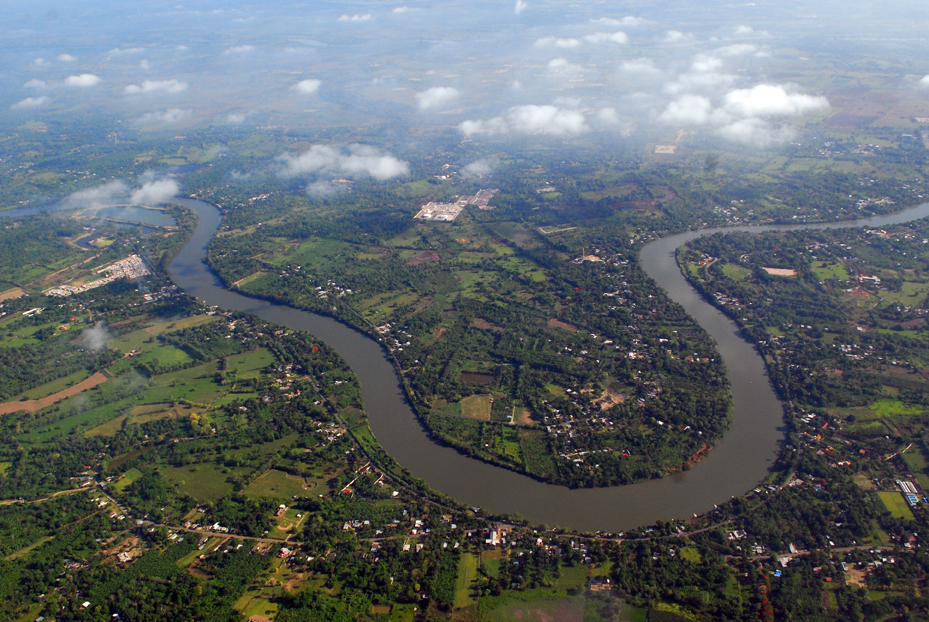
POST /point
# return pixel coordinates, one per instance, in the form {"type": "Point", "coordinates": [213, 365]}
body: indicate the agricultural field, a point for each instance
{"type": "Point", "coordinates": [896, 505]}
{"type": "Point", "coordinates": [279, 485]}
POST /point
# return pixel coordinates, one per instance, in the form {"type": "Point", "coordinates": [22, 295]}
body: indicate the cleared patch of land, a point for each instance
{"type": "Point", "coordinates": [562, 325]}
{"type": "Point", "coordinates": [281, 485]}
{"type": "Point", "coordinates": [896, 505]}
{"type": "Point", "coordinates": [31, 406]}
{"type": "Point", "coordinates": [477, 406]}
{"type": "Point", "coordinates": [10, 294]}
{"type": "Point", "coordinates": [467, 572]}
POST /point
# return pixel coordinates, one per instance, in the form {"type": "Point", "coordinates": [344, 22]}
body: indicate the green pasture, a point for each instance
{"type": "Point", "coordinates": [281, 485]}
{"type": "Point", "coordinates": [204, 482]}
{"type": "Point", "coordinates": [128, 478]}
{"type": "Point", "coordinates": [467, 572]}
{"type": "Point", "coordinates": [735, 272]}
{"type": "Point", "coordinates": [896, 504]}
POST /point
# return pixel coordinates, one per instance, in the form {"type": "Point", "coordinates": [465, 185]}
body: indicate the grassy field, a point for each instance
{"type": "Point", "coordinates": [251, 604]}
{"type": "Point", "coordinates": [288, 524]}
{"type": "Point", "coordinates": [281, 485]}
{"type": "Point", "coordinates": [825, 271]}
{"type": "Point", "coordinates": [893, 408]}
{"type": "Point", "coordinates": [250, 364]}
{"type": "Point", "coordinates": [573, 577]}
{"type": "Point", "coordinates": [531, 608]}
{"type": "Point", "coordinates": [691, 554]}
{"type": "Point", "coordinates": [467, 572]}
{"type": "Point", "coordinates": [127, 479]}
{"type": "Point", "coordinates": [204, 482]}
{"type": "Point", "coordinates": [491, 561]}
{"type": "Point", "coordinates": [138, 415]}
{"type": "Point", "coordinates": [508, 443]}
{"type": "Point", "coordinates": [735, 272]}
{"type": "Point", "coordinates": [477, 407]}
{"type": "Point", "coordinates": [54, 386]}
{"type": "Point", "coordinates": [896, 505]}
{"type": "Point", "coordinates": [915, 460]}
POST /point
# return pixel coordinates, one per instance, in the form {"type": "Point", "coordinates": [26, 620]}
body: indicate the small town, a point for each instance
{"type": "Point", "coordinates": [132, 267]}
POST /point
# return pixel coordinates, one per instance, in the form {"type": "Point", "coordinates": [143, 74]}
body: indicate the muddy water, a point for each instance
{"type": "Point", "coordinates": [736, 465]}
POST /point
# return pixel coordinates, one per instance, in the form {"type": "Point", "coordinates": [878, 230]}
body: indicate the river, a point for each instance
{"type": "Point", "coordinates": [737, 464]}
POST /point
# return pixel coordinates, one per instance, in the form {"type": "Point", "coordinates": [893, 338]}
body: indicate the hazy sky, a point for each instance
{"type": "Point", "coordinates": [483, 69]}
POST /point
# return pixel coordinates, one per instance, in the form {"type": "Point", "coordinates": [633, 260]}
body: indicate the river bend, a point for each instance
{"type": "Point", "coordinates": [738, 463]}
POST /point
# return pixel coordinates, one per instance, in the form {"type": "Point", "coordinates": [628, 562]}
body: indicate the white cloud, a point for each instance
{"type": "Point", "coordinates": [155, 192]}
{"type": "Point", "coordinates": [757, 132]}
{"type": "Point", "coordinates": [144, 64]}
{"type": "Point", "coordinates": [97, 337]}
{"type": "Point", "coordinates": [31, 102]}
{"type": "Point", "coordinates": [324, 189]}
{"type": "Point", "coordinates": [641, 66]}
{"type": "Point", "coordinates": [547, 120]}
{"type": "Point", "coordinates": [521, 5]}
{"type": "Point", "coordinates": [567, 102]}
{"type": "Point", "coordinates": [307, 87]}
{"type": "Point", "coordinates": [66, 58]}
{"type": "Point", "coordinates": [608, 37]}
{"type": "Point", "coordinates": [97, 197]}
{"type": "Point", "coordinates": [703, 76]}
{"type": "Point", "coordinates": [401, 9]}
{"type": "Point", "coordinates": [703, 63]}
{"type": "Point", "coordinates": [629, 20]}
{"type": "Point", "coordinates": [737, 49]}
{"type": "Point", "coordinates": [236, 118]}
{"type": "Point", "coordinates": [673, 36]}
{"type": "Point", "coordinates": [240, 49]}
{"type": "Point", "coordinates": [496, 125]}
{"type": "Point", "coordinates": [124, 51]}
{"type": "Point", "coordinates": [742, 114]}
{"type": "Point", "coordinates": [170, 116]}
{"type": "Point", "coordinates": [40, 62]}
{"type": "Point", "coordinates": [767, 100]}
{"type": "Point", "coordinates": [480, 168]}
{"type": "Point", "coordinates": [561, 67]}
{"type": "Point", "coordinates": [558, 43]}
{"type": "Point", "coordinates": [156, 86]}
{"type": "Point", "coordinates": [182, 48]}
{"type": "Point", "coordinates": [530, 119]}
{"type": "Point", "coordinates": [745, 31]}
{"type": "Point", "coordinates": [83, 80]}
{"type": "Point", "coordinates": [355, 18]}
{"type": "Point", "coordinates": [436, 97]}
{"type": "Point", "coordinates": [924, 82]}
{"type": "Point", "coordinates": [688, 110]}
{"type": "Point", "coordinates": [360, 160]}
{"type": "Point", "coordinates": [35, 83]}
{"type": "Point", "coordinates": [608, 116]}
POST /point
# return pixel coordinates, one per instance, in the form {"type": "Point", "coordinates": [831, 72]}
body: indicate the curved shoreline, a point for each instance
{"type": "Point", "coordinates": [738, 462]}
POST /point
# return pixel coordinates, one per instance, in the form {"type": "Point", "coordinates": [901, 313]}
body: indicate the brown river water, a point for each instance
{"type": "Point", "coordinates": [736, 465]}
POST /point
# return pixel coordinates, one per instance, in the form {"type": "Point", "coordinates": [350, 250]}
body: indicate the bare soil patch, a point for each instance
{"type": "Point", "coordinates": [424, 257]}
{"type": "Point", "coordinates": [486, 325]}
{"type": "Point", "coordinates": [523, 417]}
{"type": "Point", "coordinates": [608, 399]}
{"type": "Point", "coordinates": [562, 325]}
{"type": "Point", "coordinates": [31, 406]}
{"type": "Point", "coordinates": [10, 294]}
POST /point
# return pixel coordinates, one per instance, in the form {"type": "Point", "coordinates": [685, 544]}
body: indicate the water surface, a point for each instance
{"type": "Point", "coordinates": [737, 464]}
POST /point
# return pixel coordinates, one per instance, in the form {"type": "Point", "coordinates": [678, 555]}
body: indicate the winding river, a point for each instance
{"type": "Point", "coordinates": [737, 464]}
